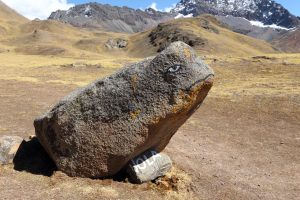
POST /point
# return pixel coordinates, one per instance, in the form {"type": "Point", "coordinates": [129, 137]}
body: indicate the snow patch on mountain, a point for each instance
{"type": "Point", "coordinates": [294, 29]}
{"type": "Point", "coordinates": [183, 16]}
{"type": "Point", "coordinates": [88, 11]}
{"type": "Point", "coordinates": [274, 26]}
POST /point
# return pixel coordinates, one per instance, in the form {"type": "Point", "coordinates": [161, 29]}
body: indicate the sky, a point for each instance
{"type": "Point", "coordinates": [42, 8]}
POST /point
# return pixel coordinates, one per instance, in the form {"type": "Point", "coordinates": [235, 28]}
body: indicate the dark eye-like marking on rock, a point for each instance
{"type": "Point", "coordinates": [175, 68]}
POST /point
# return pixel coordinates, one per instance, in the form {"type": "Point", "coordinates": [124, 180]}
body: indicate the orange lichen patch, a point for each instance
{"type": "Point", "coordinates": [156, 120]}
{"type": "Point", "coordinates": [134, 81]}
{"type": "Point", "coordinates": [187, 53]}
{"type": "Point", "coordinates": [187, 100]}
{"type": "Point", "coordinates": [135, 114]}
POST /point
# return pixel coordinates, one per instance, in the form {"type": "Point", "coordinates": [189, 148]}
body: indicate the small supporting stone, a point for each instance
{"type": "Point", "coordinates": [9, 146]}
{"type": "Point", "coordinates": [149, 166]}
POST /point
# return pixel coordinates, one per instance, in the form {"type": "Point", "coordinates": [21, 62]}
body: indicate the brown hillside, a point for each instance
{"type": "Point", "coordinates": [47, 37]}
{"type": "Point", "coordinates": [289, 42]}
{"type": "Point", "coordinates": [9, 21]}
{"type": "Point", "coordinates": [8, 14]}
{"type": "Point", "coordinates": [9, 18]}
{"type": "Point", "coordinates": [204, 33]}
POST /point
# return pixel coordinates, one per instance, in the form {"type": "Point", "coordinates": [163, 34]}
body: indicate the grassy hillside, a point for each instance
{"type": "Point", "coordinates": [55, 38]}
{"type": "Point", "coordinates": [9, 19]}
{"type": "Point", "coordinates": [204, 33]}
{"type": "Point", "coordinates": [8, 14]}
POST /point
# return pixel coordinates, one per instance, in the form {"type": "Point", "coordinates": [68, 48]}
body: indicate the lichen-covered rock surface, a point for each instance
{"type": "Point", "coordinates": [95, 131]}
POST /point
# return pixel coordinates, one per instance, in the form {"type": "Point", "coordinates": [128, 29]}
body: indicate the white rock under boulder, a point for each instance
{"type": "Point", "coordinates": [149, 166]}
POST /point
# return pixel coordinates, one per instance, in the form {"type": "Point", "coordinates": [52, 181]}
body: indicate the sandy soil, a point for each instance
{"type": "Point", "coordinates": [243, 143]}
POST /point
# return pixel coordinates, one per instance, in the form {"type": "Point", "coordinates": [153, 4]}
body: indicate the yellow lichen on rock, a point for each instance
{"type": "Point", "coordinates": [135, 114]}
{"type": "Point", "coordinates": [134, 81]}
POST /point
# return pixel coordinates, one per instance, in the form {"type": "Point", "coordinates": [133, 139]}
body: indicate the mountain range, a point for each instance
{"type": "Point", "coordinates": [124, 19]}
{"type": "Point", "coordinates": [98, 28]}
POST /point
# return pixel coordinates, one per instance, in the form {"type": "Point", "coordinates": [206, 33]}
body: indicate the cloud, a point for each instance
{"type": "Point", "coordinates": [153, 6]}
{"type": "Point", "coordinates": [37, 8]}
{"type": "Point", "coordinates": [168, 9]}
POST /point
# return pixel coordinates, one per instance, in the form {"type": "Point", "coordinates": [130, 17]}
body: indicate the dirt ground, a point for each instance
{"type": "Point", "coordinates": [243, 143]}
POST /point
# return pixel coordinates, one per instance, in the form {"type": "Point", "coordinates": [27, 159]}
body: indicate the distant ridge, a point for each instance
{"type": "Point", "coordinates": [111, 18]}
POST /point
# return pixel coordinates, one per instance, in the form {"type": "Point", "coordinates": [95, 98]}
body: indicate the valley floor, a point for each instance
{"type": "Point", "coordinates": [243, 143]}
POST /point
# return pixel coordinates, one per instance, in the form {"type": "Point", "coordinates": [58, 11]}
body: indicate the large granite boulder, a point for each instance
{"type": "Point", "coordinates": [95, 131]}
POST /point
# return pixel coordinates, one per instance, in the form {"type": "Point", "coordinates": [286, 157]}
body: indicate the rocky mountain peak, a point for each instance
{"type": "Point", "coordinates": [111, 18]}
{"type": "Point", "coordinates": [266, 11]}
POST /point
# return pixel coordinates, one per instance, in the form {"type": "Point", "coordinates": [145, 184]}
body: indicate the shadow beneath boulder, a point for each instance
{"type": "Point", "coordinates": [31, 157]}
{"type": "Point", "coordinates": [122, 176]}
